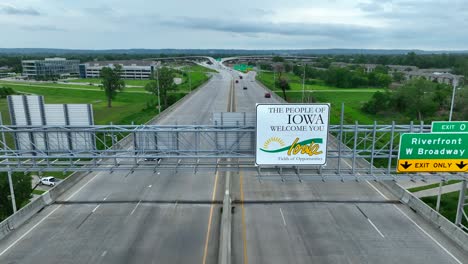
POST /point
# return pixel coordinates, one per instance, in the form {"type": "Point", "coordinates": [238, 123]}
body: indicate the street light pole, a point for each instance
{"type": "Point", "coordinates": [303, 82]}
{"type": "Point", "coordinates": [159, 97]}
{"type": "Point", "coordinates": [274, 79]}
{"type": "Point", "coordinates": [10, 181]}
{"type": "Point", "coordinates": [454, 84]}
{"type": "Point", "coordinates": [190, 80]}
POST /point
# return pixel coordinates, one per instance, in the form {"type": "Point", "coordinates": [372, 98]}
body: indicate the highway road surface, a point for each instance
{"type": "Point", "coordinates": [174, 217]}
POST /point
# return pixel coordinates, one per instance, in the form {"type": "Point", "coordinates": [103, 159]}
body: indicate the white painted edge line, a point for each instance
{"type": "Point", "coordinates": [427, 234]}
{"type": "Point", "coordinates": [412, 221]}
{"type": "Point", "coordinates": [419, 227]}
{"type": "Point", "coordinates": [375, 227]}
{"type": "Point", "coordinates": [282, 216]}
{"type": "Point", "coordinates": [104, 253]}
{"type": "Point", "coordinates": [42, 220]}
{"type": "Point", "coordinates": [377, 190]}
{"type": "Point", "coordinates": [95, 208]}
{"type": "Point", "coordinates": [135, 207]}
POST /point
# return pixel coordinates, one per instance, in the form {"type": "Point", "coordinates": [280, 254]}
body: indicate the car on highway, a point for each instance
{"type": "Point", "coordinates": [237, 81]}
{"type": "Point", "coordinates": [152, 159]}
{"type": "Point", "coordinates": [245, 87]}
{"type": "Point", "coordinates": [240, 77]}
{"type": "Point", "coordinates": [49, 181]}
{"type": "Point", "coordinates": [267, 95]}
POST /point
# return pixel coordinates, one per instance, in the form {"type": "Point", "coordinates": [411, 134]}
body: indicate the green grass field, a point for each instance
{"type": "Point", "coordinates": [126, 107]}
{"type": "Point", "coordinates": [431, 186]}
{"type": "Point", "coordinates": [98, 81]}
{"type": "Point", "coordinates": [353, 98]}
{"type": "Point", "coordinates": [64, 86]}
{"type": "Point", "coordinates": [199, 68]}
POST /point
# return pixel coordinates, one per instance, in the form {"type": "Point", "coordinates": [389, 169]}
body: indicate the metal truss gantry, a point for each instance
{"type": "Point", "coordinates": [366, 151]}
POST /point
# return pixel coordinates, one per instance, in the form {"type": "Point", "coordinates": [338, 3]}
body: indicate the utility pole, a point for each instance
{"type": "Point", "coordinates": [10, 181]}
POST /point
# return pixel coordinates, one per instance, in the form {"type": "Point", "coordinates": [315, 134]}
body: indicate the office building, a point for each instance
{"type": "Point", "coordinates": [50, 68]}
{"type": "Point", "coordinates": [131, 69]}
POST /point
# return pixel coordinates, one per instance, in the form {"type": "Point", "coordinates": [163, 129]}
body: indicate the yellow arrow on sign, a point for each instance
{"type": "Point", "coordinates": [425, 165]}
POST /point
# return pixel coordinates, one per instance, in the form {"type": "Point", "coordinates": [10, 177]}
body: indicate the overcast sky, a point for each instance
{"type": "Point", "coordinates": [240, 24]}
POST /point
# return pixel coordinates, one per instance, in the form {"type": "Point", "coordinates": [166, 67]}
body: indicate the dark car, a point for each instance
{"type": "Point", "coordinates": [237, 81]}
{"type": "Point", "coordinates": [240, 77]}
{"type": "Point", "coordinates": [267, 95]}
{"type": "Point", "coordinates": [245, 87]}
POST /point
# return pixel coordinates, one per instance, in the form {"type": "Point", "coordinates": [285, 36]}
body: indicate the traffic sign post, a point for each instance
{"type": "Point", "coordinates": [449, 127]}
{"type": "Point", "coordinates": [435, 152]}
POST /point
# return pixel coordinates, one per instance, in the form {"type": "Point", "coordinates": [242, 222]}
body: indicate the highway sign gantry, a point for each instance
{"type": "Point", "coordinates": [434, 152]}
{"type": "Point", "coordinates": [449, 127]}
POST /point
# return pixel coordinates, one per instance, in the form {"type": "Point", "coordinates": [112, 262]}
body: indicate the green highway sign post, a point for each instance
{"type": "Point", "coordinates": [449, 127]}
{"type": "Point", "coordinates": [434, 152]}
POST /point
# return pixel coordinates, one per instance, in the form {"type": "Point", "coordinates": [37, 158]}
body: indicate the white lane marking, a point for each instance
{"type": "Point", "coordinates": [42, 220]}
{"type": "Point", "coordinates": [373, 187]}
{"type": "Point", "coordinates": [349, 165]}
{"type": "Point", "coordinates": [104, 253]}
{"type": "Point", "coordinates": [377, 190]}
{"type": "Point", "coordinates": [95, 208]}
{"type": "Point", "coordinates": [27, 232]}
{"type": "Point", "coordinates": [427, 234]}
{"type": "Point", "coordinates": [412, 221]}
{"type": "Point", "coordinates": [282, 216]}
{"type": "Point", "coordinates": [149, 186]}
{"type": "Point", "coordinates": [84, 185]}
{"type": "Point", "coordinates": [135, 207]}
{"type": "Point", "coordinates": [375, 227]}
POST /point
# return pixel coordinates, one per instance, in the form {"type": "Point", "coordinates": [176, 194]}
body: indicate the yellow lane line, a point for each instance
{"type": "Point", "coordinates": [244, 229]}
{"type": "Point", "coordinates": [205, 253]}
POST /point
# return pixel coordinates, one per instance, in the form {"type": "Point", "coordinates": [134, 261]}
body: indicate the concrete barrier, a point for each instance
{"type": "Point", "coordinates": [224, 254]}
{"type": "Point", "coordinates": [21, 216]}
{"type": "Point", "coordinates": [443, 224]}
{"type": "Point", "coordinates": [63, 186]}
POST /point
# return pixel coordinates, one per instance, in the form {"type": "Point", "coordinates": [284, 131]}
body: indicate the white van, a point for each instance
{"type": "Point", "coordinates": [49, 181]}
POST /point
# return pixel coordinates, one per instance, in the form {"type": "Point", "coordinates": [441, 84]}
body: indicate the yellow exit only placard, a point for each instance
{"type": "Point", "coordinates": [427, 165]}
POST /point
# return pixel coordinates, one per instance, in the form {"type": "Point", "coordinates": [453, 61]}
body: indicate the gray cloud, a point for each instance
{"type": "Point", "coordinates": [263, 27]}
{"type": "Point", "coordinates": [12, 10]}
{"type": "Point", "coordinates": [260, 12]}
{"type": "Point", "coordinates": [42, 28]}
{"type": "Point", "coordinates": [100, 10]}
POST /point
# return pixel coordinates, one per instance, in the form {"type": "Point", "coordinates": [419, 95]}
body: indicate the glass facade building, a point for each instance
{"type": "Point", "coordinates": [50, 67]}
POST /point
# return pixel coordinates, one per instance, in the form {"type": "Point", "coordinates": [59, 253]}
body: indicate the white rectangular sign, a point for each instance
{"type": "Point", "coordinates": [292, 134]}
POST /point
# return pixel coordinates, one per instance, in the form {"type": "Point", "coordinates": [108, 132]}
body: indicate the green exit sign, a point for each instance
{"type": "Point", "coordinates": [434, 146]}
{"type": "Point", "coordinates": [450, 127]}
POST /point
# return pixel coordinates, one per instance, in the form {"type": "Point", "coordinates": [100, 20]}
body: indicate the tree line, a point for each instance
{"type": "Point", "coordinates": [419, 99]}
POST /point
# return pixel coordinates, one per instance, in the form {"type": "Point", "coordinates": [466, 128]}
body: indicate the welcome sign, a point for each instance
{"type": "Point", "coordinates": [292, 134]}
